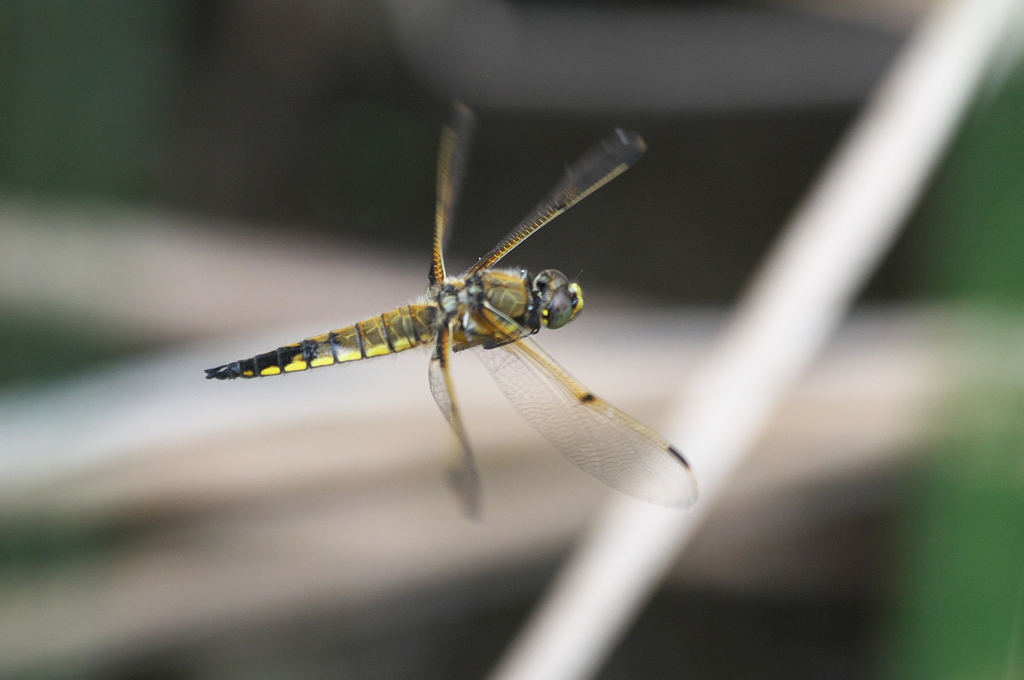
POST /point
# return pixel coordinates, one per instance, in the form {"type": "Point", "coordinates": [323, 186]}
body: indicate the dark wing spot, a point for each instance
{"type": "Point", "coordinates": [587, 398]}
{"type": "Point", "coordinates": [679, 456]}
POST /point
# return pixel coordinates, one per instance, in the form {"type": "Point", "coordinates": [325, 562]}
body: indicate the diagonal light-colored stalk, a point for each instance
{"type": "Point", "coordinates": [834, 240]}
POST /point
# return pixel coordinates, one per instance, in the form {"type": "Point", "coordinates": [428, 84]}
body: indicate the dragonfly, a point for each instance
{"type": "Point", "coordinates": [495, 311]}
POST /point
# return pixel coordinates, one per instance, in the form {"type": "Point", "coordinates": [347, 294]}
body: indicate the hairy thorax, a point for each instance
{"type": "Point", "coordinates": [476, 302]}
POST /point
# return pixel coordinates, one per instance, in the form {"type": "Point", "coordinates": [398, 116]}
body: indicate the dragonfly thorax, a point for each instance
{"type": "Point", "coordinates": [492, 306]}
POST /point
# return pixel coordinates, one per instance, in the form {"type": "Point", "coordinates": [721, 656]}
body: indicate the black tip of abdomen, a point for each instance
{"type": "Point", "coordinates": [225, 372]}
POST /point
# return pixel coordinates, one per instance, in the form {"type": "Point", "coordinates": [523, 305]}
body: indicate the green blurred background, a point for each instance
{"type": "Point", "coordinates": [960, 598]}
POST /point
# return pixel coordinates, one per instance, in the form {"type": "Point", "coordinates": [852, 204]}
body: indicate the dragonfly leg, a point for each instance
{"type": "Point", "coordinates": [462, 473]}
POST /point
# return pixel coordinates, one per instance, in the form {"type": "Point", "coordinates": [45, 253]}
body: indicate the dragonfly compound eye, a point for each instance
{"type": "Point", "coordinates": [559, 309]}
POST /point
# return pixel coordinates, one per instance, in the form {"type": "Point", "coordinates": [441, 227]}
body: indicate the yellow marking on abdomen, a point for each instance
{"type": "Point", "coordinates": [318, 351]}
{"type": "Point", "coordinates": [375, 342]}
{"type": "Point", "coordinates": [346, 343]}
{"type": "Point", "coordinates": [296, 364]}
{"type": "Point", "coordinates": [393, 331]}
{"type": "Point", "coordinates": [398, 327]}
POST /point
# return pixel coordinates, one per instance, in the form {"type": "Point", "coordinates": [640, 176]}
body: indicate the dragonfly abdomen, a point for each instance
{"type": "Point", "coordinates": [394, 331]}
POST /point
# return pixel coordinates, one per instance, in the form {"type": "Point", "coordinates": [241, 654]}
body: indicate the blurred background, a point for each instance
{"type": "Point", "coordinates": [188, 182]}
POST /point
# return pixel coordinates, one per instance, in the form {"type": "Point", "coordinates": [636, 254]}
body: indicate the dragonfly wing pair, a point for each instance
{"type": "Point", "coordinates": [593, 434]}
{"type": "Point", "coordinates": [462, 472]}
{"type": "Point", "coordinates": [598, 438]}
{"type": "Point", "coordinates": [451, 168]}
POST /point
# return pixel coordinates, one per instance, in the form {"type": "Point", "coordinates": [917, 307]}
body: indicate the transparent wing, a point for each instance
{"type": "Point", "coordinates": [451, 167]}
{"type": "Point", "coordinates": [605, 161]}
{"type": "Point", "coordinates": [597, 437]}
{"type": "Point", "coordinates": [462, 472]}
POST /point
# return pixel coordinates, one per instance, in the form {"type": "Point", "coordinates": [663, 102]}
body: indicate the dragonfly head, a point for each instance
{"type": "Point", "coordinates": [559, 299]}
